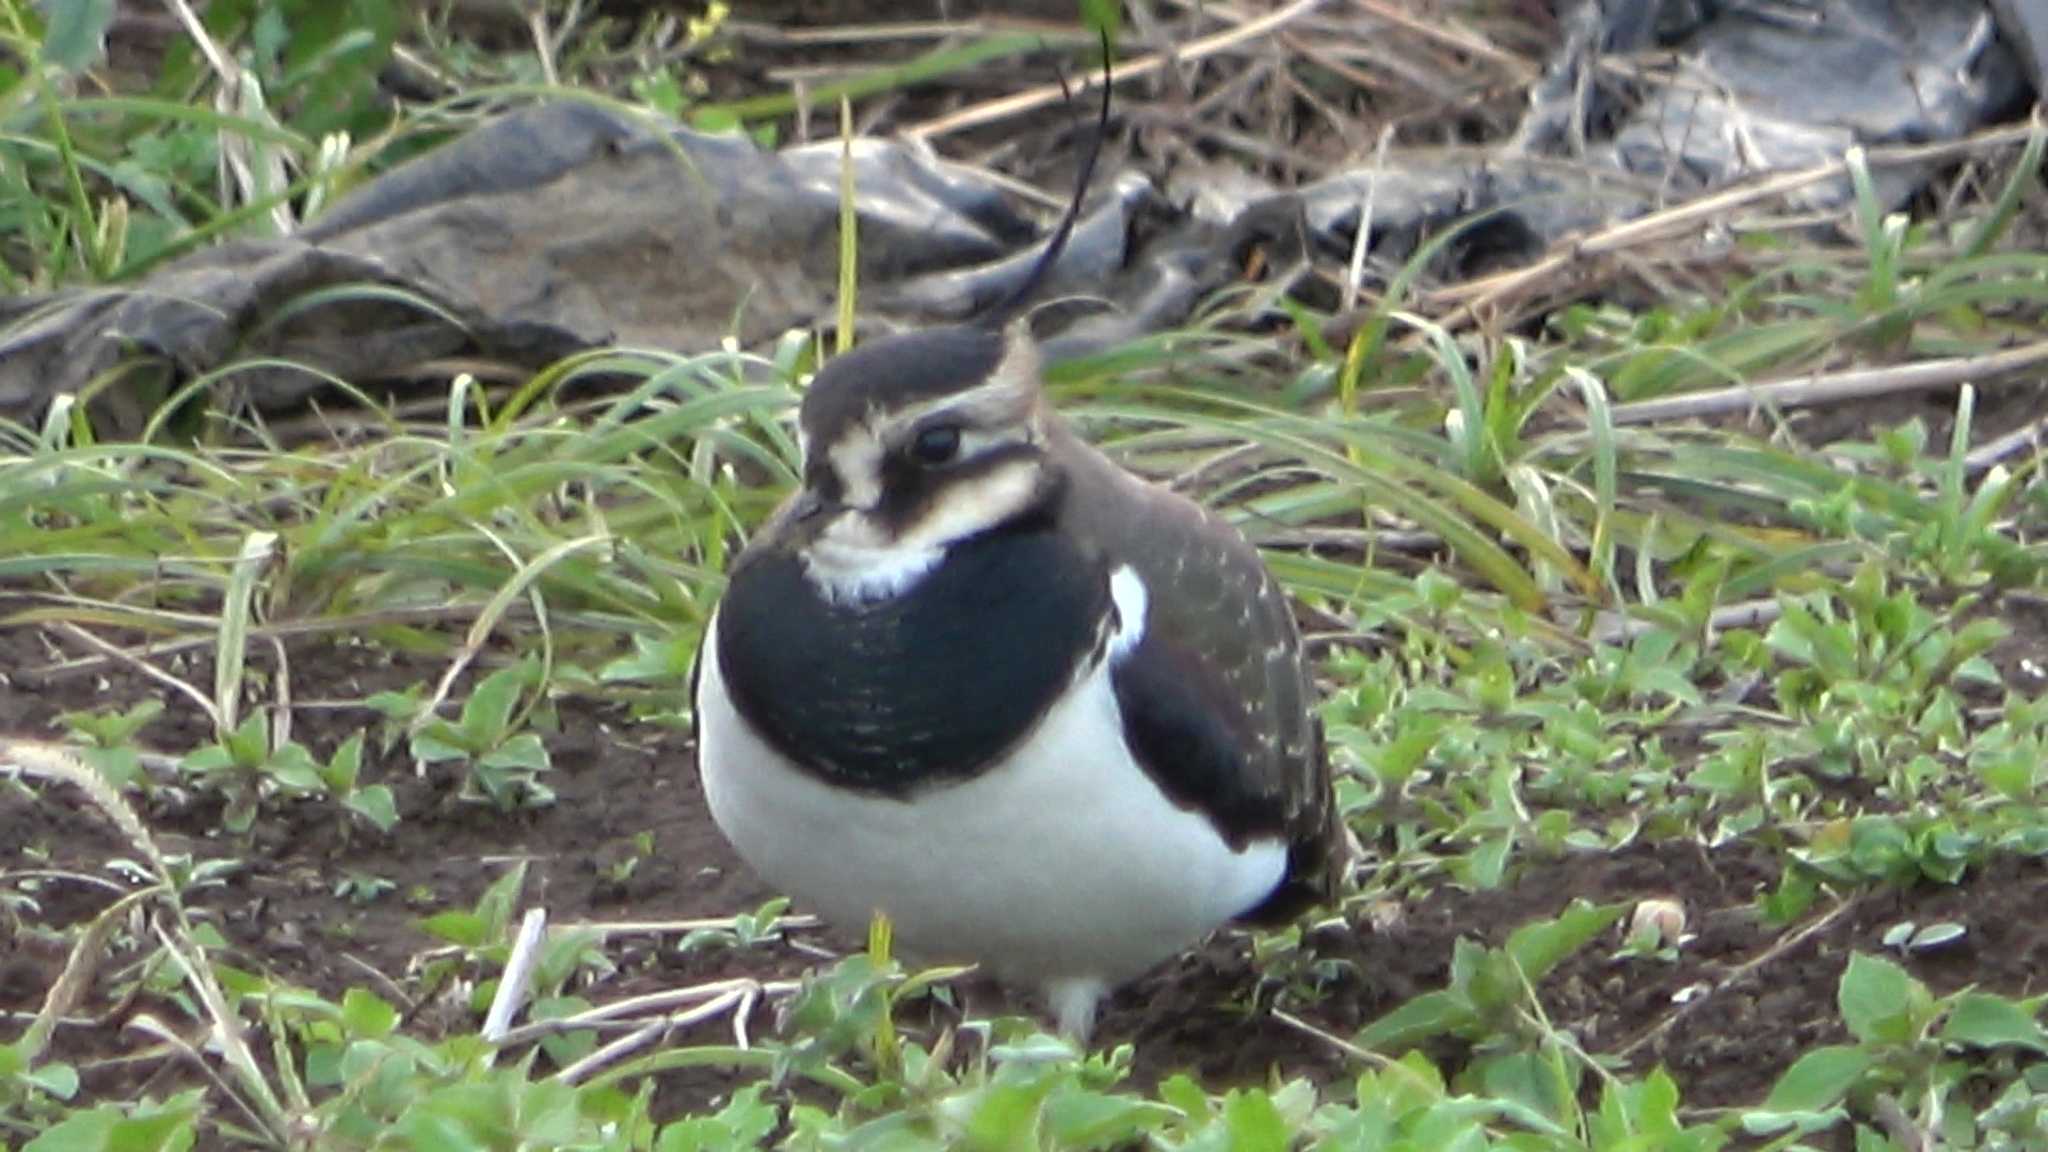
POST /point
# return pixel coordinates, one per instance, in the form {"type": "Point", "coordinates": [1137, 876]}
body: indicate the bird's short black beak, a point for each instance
{"type": "Point", "coordinates": [809, 506]}
{"type": "Point", "coordinates": [799, 519]}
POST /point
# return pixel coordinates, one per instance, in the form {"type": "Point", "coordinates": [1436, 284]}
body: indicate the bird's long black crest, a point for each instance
{"type": "Point", "coordinates": [1064, 231]}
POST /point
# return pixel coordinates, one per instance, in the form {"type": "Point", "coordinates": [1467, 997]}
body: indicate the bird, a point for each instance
{"type": "Point", "coordinates": [1050, 718]}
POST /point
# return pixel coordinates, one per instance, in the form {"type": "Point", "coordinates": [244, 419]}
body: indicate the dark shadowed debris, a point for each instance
{"type": "Point", "coordinates": [566, 227]}
{"type": "Point", "coordinates": [550, 230]}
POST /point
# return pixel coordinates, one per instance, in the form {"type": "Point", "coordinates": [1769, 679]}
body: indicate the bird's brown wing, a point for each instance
{"type": "Point", "coordinates": [1217, 698]}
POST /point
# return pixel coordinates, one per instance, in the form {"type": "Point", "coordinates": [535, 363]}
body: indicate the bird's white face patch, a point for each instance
{"type": "Point", "coordinates": [854, 560]}
{"type": "Point", "coordinates": [857, 458]}
{"type": "Point", "coordinates": [852, 564]}
{"type": "Point", "coordinates": [882, 539]}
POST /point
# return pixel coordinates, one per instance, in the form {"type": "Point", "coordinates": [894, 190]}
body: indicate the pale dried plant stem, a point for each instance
{"type": "Point", "coordinates": [1831, 387]}
{"type": "Point", "coordinates": [123, 656]}
{"type": "Point", "coordinates": [1046, 95]}
{"type": "Point", "coordinates": [680, 927]}
{"type": "Point", "coordinates": [1474, 297]}
{"type": "Point", "coordinates": [519, 966]}
{"type": "Point", "coordinates": [58, 763]}
{"type": "Point", "coordinates": [633, 1006]}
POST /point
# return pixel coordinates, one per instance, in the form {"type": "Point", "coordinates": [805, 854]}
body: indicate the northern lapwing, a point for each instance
{"type": "Point", "coordinates": [1050, 718]}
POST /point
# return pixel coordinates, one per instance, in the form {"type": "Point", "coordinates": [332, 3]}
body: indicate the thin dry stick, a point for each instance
{"type": "Point", "coordinates": [1617, 627]}
{"type": "Point", "coordinates": [1361, 240]}
{"type": "Point", "coordinates": [355, 622]}
{"type": "Point", "coordinates": [680, 927]}
{"type": "Point", "coordinates": [543, 46]}
{"type": "Point", "coordinates": [149, 1025]}
{"type": "Point", "coordinates": [991, 111]}
{"type": "Point", "coordinates": [1454, 37]}
{"type": "Point", "coordinates": [147, 669]}
{"type": "Point", "coordinates": [76, 978]}
{"type": "Point", "coordinates": [2002, 448]}
{"type": "Point", "coordinates": [519, 968]}
{"type": "Point", "coordinates": [281, 698]}
{"type": "Point", "coordinates": [1362, 1055]}
{"type": "Point", "coordinates": [1828, 387]}
{"type": "Point", "coordinates": [1742, 972]}
{"type": "Point", "coordinates": [57, 762]}
{"type": "Point", "coordinates": [661, 1001]}
{"type": "Point", "coordinates": [883, 33]}
{"type": "Point", "coordinates": [632, 1042]}
{"type": "Point", "coordinates": [393, 991]}
{"type": "Point", "coordinates": [240, 95]}
{"type": "Point", "coordinates": [1474, 295]}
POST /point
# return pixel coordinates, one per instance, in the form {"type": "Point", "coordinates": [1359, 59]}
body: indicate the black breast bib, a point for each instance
{"type": "Point", "coordinates": [922, 688]}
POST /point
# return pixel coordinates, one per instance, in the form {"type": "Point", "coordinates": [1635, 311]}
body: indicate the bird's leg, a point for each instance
{"type": "Point", "coordinates": [1073, 1005]}
{"type": "Point", "coordinates": [978, 995]}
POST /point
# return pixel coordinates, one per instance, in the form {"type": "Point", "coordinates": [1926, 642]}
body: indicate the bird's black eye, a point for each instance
{"type": "Point", "coordinates": [938, 444]}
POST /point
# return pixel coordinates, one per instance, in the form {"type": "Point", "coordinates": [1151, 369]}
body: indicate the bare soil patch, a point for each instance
{"type": "Point", "coordinates": [1755, 995]}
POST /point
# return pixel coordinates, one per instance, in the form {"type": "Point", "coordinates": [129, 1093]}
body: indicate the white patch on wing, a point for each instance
{"type": "Point", "coordinates": [853, 561]}
{"type": "Point", "coordinates": [1132, 601]}
{"type": "Point", "coordinates": [1064, 866]}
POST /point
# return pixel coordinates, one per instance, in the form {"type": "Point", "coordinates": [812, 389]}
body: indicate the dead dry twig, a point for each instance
{"type": "Point", "coordinates": [1045, 95]}
{"type": "Point", "coordinates": [1831, 387]}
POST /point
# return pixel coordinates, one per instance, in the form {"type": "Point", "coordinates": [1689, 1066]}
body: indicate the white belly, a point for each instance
{"type": "Point", "coordinates": [1066, 863]}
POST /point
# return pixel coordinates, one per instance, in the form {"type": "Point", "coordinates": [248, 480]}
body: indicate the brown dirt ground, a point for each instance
{"type": "Point", "coordinates": [617, 778]}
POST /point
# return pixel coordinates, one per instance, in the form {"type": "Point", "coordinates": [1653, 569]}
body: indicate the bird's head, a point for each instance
{"type": "Point", "coordinates": [918, 441]}
{"type": "Point", "coordinates": [912, 444]}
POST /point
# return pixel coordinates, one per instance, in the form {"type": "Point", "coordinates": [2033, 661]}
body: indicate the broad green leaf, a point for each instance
{"type": "Point", "coordinates": [665, 660]}
{"type": "Point", "coordinates": [1427, 1015]}
{"type": "Point", "coordinates": [1540, 948]}
{"type": "Point", "coordinates": [366, 1015]}
{"type": "Point", "coordinates": [457, 926]}
{"type": "Point", "coordinates": [345, 767]}
{"type": "Point", "coordinates": [76, 37]}
{"type": "Point", "coordinates": [1876, 999]}
{"type": "Point", "coordinates": [1486, 865]}
{"type": "Point", "coordinates": [1254, 1122]}
{"type": "Point", "coordinates": [1871, 1140]}
{"type": "Point", "coordinates": [1818, 1079]}
{"type": "Point", "coordinates": [168, 1127]}
{"type": "Point", "coordinates": [375, 804]}
{"type": "Point", "coordinates": [524, 751]}
{"type": "Point", "coordinates": [249, 743]}
{"type": "Point", "coordinates": [1526, 1077]}
{"type": "Point", "coordinates": [439, 740]}
{"type": "Point", "coordinates": [294, 768]}
{"type": "Point", "coordinates": [53, 1079]}
{"type": "Point", "coordinates": [501, 899]}
{"type": "Point", "coordinates": [1180, 1091]}
{"type": "Point", "coordinates": [1986, 1021]}
{"type": "Point", "coordinates": [744, 1123]}
{"type": "Point", "coordinates": [1077, 1118]}
{"type": "Point", "coordinates": [212, 758]}
{"type": "Point", "coordinates": [489, 708]}
{"type": "Point", "coordinates": [1003, 1116]}
{"type": "Point", "coordinates": [78, 1132]}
